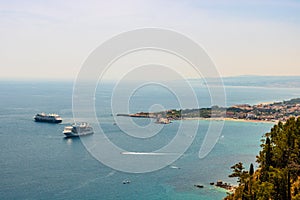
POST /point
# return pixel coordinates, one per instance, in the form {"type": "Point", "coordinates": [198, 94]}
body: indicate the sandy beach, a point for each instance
{"type": "Point", "coordinates": [230, 119]}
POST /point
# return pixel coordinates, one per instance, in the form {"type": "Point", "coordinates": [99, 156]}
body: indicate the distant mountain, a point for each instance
{"type": "Point", "coordinates": [259, 81]}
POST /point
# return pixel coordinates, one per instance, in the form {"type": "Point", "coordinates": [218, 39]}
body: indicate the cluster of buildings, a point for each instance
{"type": "Point", "coordinates": [278, 111]}
{"type": "Point", "coordinates": [268, 111]}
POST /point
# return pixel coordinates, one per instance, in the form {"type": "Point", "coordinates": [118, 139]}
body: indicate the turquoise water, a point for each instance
{"type": "Point", "coordinates": [38, 163]}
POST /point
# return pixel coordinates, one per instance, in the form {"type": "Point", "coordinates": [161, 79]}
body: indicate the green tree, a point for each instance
{"type": "Point", "coordinates": [278, 175]}
{"type": "Point", "coordinates": [251, 170]}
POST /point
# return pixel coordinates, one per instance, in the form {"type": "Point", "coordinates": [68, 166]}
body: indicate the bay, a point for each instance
{"type": "Point", "coordinates": [38, 163]}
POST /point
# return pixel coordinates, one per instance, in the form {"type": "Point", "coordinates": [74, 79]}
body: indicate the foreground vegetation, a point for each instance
{"type": "Point", "coordinates": [278, 175]}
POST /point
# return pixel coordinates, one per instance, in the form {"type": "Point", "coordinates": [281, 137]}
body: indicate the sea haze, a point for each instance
{"type": "Point", "coordinates": [261, 81]}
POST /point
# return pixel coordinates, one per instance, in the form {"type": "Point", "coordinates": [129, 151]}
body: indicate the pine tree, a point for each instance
{"type": "Point", "coordinates": [278, 175]}
{"type": "Point", "coordinates": [251, 170]}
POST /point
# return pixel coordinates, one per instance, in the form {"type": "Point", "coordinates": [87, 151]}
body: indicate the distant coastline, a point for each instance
{"type": "Point", "coordinates": [263, 112]}
{"type": "Point", "coordinates": [230, 119]}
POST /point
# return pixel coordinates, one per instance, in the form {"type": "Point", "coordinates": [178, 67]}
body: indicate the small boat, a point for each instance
{"type": "Point", "coordinates": [126, 181]}
{"type": "Point", "coordinates": [78, 129]}
{"type": "Point", "coordinates": [199, 186]}
{"type": "Point", "coordinates": [49, 118]}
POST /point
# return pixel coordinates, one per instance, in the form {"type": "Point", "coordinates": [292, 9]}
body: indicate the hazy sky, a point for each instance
{"type": "Point", "coordinates": [51, 39]}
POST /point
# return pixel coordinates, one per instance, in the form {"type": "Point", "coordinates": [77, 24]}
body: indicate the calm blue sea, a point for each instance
{"type": "Point", "coordinates": [36, 162]}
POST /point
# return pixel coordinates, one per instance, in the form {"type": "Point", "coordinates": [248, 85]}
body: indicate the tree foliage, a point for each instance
{"type": "Point", "coordinates": [278, 175]}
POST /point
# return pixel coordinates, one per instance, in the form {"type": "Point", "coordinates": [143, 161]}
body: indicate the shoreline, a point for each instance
{"type": "Point", "coordinates": [261, 113]}
{"type": "Point", "coordinates": [230, 119]}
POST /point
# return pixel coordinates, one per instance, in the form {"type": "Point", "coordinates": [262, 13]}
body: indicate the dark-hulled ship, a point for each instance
{"type": "Point", "coordinates": [49, 118]}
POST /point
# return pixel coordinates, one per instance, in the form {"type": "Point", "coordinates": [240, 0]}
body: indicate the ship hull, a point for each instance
{"type": "Point", "coordinates": [71, 134]}
{"type": "Point", "coordinates": [48, 121]}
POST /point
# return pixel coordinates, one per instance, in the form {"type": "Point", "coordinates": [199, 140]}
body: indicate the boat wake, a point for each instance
{"type": "Point", "coordinates": [147, 153]}
{"type": "Point", "coordinates": [110, 173]}
{"type": "Point", "coordinates": [174, 167]}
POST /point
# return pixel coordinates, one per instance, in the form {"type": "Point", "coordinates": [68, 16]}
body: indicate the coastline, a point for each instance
{"type": "Point", "coordinates": [260, 113]}
{"type": "Point", "coordinates": [229, 119]}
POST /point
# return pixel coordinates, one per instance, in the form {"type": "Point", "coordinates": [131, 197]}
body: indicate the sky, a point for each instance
{"type": "Point", "coordinates": [52, 39]}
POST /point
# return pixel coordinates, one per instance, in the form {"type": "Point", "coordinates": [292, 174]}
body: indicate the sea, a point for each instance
{"type": "Point", "coordinates": [37, 162]}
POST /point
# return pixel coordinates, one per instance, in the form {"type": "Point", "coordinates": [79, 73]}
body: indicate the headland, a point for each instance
{"type": "Point", "coordinates": [263, 112]}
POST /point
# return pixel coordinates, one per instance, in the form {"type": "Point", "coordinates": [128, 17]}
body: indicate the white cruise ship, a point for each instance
{"type": "Point", "coordinates": [78, 129]}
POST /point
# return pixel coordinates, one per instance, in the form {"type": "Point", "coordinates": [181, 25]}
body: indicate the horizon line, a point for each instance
{"type": "Point", "coordinates": [74, 79]}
